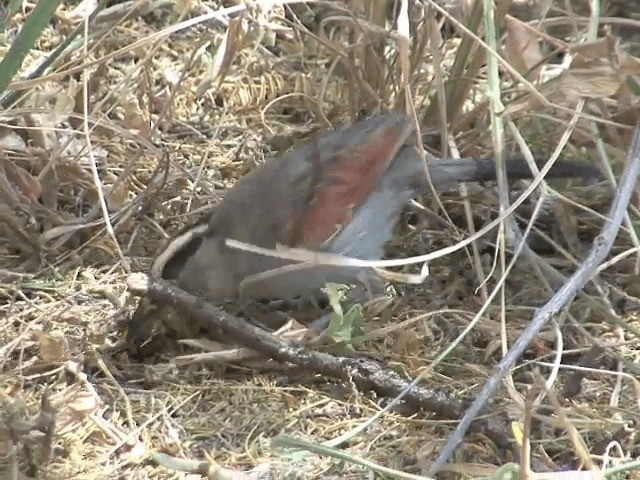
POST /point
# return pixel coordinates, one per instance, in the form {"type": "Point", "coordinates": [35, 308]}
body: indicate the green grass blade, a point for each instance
{"type": "Point", "coordinates": [34, 25]}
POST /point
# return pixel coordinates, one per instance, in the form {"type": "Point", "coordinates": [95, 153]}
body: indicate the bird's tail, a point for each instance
{"type": "Point", "coordinates": [446, 173]}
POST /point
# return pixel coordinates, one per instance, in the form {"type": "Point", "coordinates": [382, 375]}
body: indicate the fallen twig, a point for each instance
{"type": "Point", "coordinates": [365, 374]}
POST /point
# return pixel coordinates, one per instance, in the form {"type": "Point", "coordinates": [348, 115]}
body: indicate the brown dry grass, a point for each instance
{"type": "Point", "coordinates": [174, 119]}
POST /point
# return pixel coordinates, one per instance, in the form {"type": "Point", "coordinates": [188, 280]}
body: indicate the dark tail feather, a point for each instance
{"type": "Point", "coordinates": [446, 173]}
{"type": "Point", "coordinates": [519, 168]}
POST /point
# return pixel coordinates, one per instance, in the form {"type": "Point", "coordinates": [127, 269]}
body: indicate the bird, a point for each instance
{"type": "Point", "coordinates": [342, 192]}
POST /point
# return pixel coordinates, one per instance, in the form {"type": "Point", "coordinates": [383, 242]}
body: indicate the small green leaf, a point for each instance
{"type": "Point", "coordinates": [336, 294]}
{"type": "Point", "coordinates": [342, 326]}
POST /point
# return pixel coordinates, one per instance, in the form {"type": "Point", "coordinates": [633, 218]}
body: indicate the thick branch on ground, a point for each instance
{"type": "Point", "coordinates": [601, 247]}
{"type": "Point", "coordinates": [365, 374]}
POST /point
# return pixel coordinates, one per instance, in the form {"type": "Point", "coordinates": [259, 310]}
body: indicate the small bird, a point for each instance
{"type": "Point", "coordinates": [341, 193]}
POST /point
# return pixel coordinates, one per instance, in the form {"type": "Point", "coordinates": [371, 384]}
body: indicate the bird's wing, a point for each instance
{"type": "Point", "coordinates": [343, 169]}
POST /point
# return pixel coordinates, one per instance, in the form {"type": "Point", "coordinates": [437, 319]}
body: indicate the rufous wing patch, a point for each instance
{"type": "Point", "coordinates": [347, 180]}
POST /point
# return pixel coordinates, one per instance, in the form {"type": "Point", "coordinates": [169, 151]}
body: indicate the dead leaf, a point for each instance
{"type": "Point", "coordinates": [26, 183]}
{"type": "Point", "coordinates": [71, 173]}
{"type": "Point", "coordinates": [54, 347]}
{"type": "Point", "coordinates": [379, 304]}
{"type": "Point", "coordinates": [106, 245]}
{"type": "Point", "coordinates": [11, 141]}
{"type": "Point", "coordinates": [522, 48]}
{"type": "Point", "coordinates": [75, 404]}
{"type": "Point", "coordinates": [603, 49]}
{"type": "Point", "coordinates": [493, 347]}
{"type": "Point", "coordinates": [118, 196]}
{"type": "Point", "coordinates": [407, 341]}
{"type": "Point", "coordinates": [134, 118]}
{"type": "Point", "coordinates": [427, 451]}
{"type": "Point", "coordinates": [599, 70]}
{"type": "Point", "coordinates": [565, 90]}
{"type": "Point", "coordinates": [41, 131]}
{"type": "Point", "coordinates": [629, 65]}
{"type": "Point", "coordinates": [590, 83]}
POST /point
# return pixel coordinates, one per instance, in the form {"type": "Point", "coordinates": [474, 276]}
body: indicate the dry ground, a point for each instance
{"type": "Point", "coordinates": [175, 111]}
